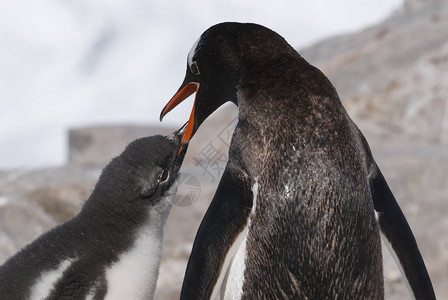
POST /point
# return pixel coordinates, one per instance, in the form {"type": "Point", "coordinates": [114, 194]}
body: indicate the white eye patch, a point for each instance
{"type": "Point", "coordinates": [192, 53]}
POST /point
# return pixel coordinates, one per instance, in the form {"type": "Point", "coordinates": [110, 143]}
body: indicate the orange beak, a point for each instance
{"type": "Point", "coordinates": [180, 96]}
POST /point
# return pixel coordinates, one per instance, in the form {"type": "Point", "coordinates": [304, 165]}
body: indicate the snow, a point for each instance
{"type": "Point", "coordinates": [67, 63]}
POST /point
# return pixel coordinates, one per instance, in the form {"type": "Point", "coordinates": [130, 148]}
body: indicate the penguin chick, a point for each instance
{"type": "Point", "coordinates": [113, 247]}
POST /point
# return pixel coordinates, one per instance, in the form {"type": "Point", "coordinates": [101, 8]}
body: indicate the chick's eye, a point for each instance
{"type": "Point", "coordinates": [194, 68]}
{"type": "Point", "coordinates": [164, 176]}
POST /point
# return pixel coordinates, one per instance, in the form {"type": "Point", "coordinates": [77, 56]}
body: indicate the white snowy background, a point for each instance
{"type": "Point", "coordinates": [72, 63]}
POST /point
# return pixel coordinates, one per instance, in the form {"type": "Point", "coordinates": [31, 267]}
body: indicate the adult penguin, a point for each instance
{"type": "Point", "coordinates": [300, 207]}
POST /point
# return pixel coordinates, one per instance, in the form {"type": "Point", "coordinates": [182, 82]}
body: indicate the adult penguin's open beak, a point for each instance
{"type": "Point", "coordinates": [186, 90]}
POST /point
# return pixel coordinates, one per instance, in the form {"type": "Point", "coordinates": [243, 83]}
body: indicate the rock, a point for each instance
{"type": "Point", "coordinates": [394, 74]}
{"type": "Point", "coordinates": [33, 201]}
{"type": "Point", "coordinates": [60, 192]}
{"type": "Point", "coordinates": [21, 221]}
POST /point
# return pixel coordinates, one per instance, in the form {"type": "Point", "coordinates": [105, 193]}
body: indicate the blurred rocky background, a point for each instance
{"type": "Point", "coordinates": [393, 81]}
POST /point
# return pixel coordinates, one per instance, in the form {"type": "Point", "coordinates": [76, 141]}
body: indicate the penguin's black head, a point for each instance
{"type": "Point", "coordinates": [154, 163]}
{"type": "Point", "coordinates": [216, 63]}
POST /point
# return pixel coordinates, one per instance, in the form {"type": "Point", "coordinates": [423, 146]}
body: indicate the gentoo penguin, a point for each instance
{"type": "Point", "coordinates": [112, 248]}
{"type": "Point", "coordinates": [301, 205]}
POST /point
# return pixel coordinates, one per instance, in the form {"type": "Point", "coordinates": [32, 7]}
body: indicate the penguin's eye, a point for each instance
{"type": "Point", "coordinates": [164, 176]}
{"type": "Point", "coordinates": [194, 68]}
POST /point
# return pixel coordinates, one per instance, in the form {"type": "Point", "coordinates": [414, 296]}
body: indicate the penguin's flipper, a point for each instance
{"type": "Point", "coordinates": [399, 239]}
{"type": "Point", "coordinates": [217, 236]}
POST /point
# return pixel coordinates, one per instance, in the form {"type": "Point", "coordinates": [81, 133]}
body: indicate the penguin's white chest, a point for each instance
{"type": "Point", "coordinates": [231, 280]}
{"type": "Point", "coordinates": [134, 275]}
{"type": "Point", "coordinates": [232, 285]}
